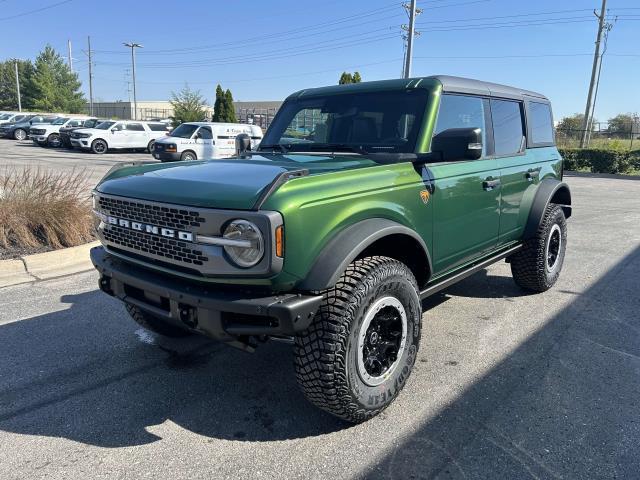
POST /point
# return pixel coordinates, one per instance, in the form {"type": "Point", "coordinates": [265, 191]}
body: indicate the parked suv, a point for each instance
{"type": "Point", "coordinates": [19, 130]}
{"type": "Point", "coordinates": [204, 141]}
{"type": "Point", "coordinates": [48, 134]}
{"type": "Point", "coordinates": [65, 132]}
{"type": "Point", "coordinates": [121, 134]}
{"type": "Point", "coordinates": [361, 201]}
{"type": "Point", "coordinates": [10, 117]}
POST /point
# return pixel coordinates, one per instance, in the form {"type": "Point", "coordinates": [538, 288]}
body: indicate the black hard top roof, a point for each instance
{"type": "Point", "coordinates": [468, 85]}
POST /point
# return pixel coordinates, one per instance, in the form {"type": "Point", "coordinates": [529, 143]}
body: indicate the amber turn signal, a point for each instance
{"type": "Point", "coordinates": [280, 241]}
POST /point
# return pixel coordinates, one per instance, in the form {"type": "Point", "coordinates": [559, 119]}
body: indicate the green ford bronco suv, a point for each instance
{"type": "Point", "coordinates": [361, 201]}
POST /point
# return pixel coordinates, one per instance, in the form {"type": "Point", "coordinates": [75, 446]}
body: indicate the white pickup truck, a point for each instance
{"type": "Point", "coordinates": [121, 134]}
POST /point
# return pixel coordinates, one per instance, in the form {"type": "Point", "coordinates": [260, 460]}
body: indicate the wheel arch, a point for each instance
{"type": "Point", "coordinates": [374, 236]}
{"type": "Point", "coordinates": [188, 150]}
{"type": "Point", "coordinates": [102, 139]}
{"type": "Point", "coordinates": [549, 191]}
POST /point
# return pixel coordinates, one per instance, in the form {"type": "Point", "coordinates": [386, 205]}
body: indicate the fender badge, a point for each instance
{"type": "Point", "coordinates": [424, 196]}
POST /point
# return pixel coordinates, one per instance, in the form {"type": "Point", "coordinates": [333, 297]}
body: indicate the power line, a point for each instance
{"type": "Point", "coordinates": [36, 10]}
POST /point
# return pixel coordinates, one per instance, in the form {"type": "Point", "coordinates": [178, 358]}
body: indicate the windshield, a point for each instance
{"type": "Point", "coordinates": [375, 122]}
{"type": "Point", "coordinates": [4, 116]}
{"type": "Point", "coordinates": [59, 121]}
{"type": "Point", "coordinates": [184, 131]}
{"type": "Point", "coordinates": [105, 125]}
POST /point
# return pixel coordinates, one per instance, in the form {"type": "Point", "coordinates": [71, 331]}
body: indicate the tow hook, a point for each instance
{"type": "Point", "coordinates": [187, 315]}
{"type": "Point", "coordinates": [105, 285]}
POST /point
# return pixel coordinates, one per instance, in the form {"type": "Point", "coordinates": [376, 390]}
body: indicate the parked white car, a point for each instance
{"type": "Point", "coordinates": [204, 141]}
{"type": "Point", "coordinates": [111, 135]}
{"type": "Point", "coordinates": [48, 134]}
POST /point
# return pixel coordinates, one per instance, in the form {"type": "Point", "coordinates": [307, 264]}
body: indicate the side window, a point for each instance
{"type": "Point", "coordinates": [462, 111]}
{"type": "Point", "coordinates": [75, 123]}
{"type": "Point", "coordinates": [508, 131]}
{"type": "Point", "coordinates": [118, 127]}
{"type": "Point", "coordinates": [157, 127]}
{"type": "Point", "coordinates": [205, 133]}
{"type": "Point", "coordinates": [136, 127]}
{"type": "Point", "coordinates": [541, 123]}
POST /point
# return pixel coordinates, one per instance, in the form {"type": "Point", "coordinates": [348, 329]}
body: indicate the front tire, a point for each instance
{"type": "Point", "coordinates": [537, 266]}
{"type": "Point", "coordinates": [19, 134]}
{"type": "Point", "coordinates": [53, 140]}
{"type": "Point", "coordinates": [188, 156]}
{"type": "Point", "coordinates": [360, 349]}
{"type": "Point", "coordinates": [99, 147]}
{"type": "Point", "coordinates": [151, 146]}
{"type": "Point", "coordinates": [155, 324]}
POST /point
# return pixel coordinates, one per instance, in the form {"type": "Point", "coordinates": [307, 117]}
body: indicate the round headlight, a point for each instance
{"type": "Point", "coordinates": [246, 245]}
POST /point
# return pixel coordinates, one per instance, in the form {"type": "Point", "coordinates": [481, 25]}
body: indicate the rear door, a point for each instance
{"type": "Point", "coordinates": [137, 136]}
{"type": "Point", "coordinates": [467, 192]}
{"type": "Point", "coordinates": [509, 145]}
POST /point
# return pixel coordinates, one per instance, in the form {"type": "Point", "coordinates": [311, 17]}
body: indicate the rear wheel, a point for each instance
{"type": "Point", "coordinates": [360, 349]}
{"type": "Point", "coordinates": [53, 140]}
{"type": "Point", "coordinates": [188, 156]}
{"type": "Point", "coordinates": [99, 146]}
{"type": "Point", "coordinates": [20, 134]}
{"type": "Point", "coordinates": [151, 146]}
{"type": "Point", "coordinates": [537, 266]}
{"type": "Point", "coordinates": [155, 324]}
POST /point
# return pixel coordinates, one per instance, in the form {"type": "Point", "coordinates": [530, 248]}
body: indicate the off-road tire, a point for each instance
{"type": "Point", "coordinates": [529, 266]}
{"type": "Point", "coordinates": [98, 150]}
{"type": "Point", "coordinates": [155, 324]}
{"type": "Point", "coordinates": [326, 361]}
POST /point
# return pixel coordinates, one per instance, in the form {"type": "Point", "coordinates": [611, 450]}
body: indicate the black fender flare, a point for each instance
{"type": "Point", "coordinates": [345, 247]}
{"type": "Point", "coordinates": [546, 191]}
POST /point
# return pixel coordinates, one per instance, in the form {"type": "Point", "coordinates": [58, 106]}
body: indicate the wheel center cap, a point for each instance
{"type": "Point", "coordinates": [373, 338]}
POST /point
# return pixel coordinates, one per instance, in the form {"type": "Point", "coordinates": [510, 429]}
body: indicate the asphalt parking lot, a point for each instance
{"type": "Point", "coordinates": [26, 153]}
{"type": "Point", "coordinates": [507, 385]}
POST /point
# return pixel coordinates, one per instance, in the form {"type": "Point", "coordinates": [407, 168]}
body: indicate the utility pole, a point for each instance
{"type": "Point", "coordinates": [90, 78]}
{"type": "Point", "coordinates": [133, 47]}
{"type": "Point", "coordinates": [594, 71]}
{"type": "Point", "coordinates": [411, 33]}
{"type": "Point", "coordinates": [18, 86]}
{"type": "Point", "coordinates": [70, 58]}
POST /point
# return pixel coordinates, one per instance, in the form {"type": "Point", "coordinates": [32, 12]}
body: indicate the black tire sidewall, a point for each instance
{"type": "Point", "coordinates": [53, 138]}
{"type": "Point", "coordinates": [378, 397]}
{"type": "Point", "coordinates": [555, 217]}
{"type": "Point", "coordinates": [183, 156]}
{"type": "Point", "coordinates": [15, 134]}
{"type": "Point", "coordinates": [93, 148]}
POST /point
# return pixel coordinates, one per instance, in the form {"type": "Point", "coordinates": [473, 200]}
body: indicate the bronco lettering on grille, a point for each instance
{"type": "Point", "coordinates": [151, 229]}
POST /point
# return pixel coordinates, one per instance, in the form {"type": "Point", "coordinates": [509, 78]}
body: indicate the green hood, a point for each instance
{"type": "Point", "coordinates": [229, 183]}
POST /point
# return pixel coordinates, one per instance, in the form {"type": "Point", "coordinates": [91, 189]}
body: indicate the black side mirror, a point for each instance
{"type": "Point", "coordinates": [458, 144]}
{"type": "Point", "coordinates": [243, 144]}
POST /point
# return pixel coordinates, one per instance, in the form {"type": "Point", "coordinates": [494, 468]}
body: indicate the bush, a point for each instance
{"type": "Point", "coordinates": [40, 208]}
{"type": "Point", "coordinates": [600, 160]}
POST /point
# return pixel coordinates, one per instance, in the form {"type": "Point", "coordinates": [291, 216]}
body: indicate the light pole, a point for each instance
{"type": "Point", "coordinates": [133, 47]}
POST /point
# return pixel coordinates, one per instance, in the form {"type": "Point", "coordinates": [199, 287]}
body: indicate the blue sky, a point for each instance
{"type": "Point", "coordinates": [263, 50]}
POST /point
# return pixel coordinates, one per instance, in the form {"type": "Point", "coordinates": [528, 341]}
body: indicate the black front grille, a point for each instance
{"type": "Point", "coordinates": [37, 131]}
{"type": "Point", "coordinates": [154, 244]}
{"type": "Point", "coordinates": [158, 215]}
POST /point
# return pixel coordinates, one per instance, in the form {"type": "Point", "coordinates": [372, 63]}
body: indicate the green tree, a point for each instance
{"type": "Point", "coordinates": [8, 91]}
{"type": "Point", "coordinates": [623, 124]}
{"type": "Point", "coordinates": [347, 77]}
{"type": "Point", "coordinates": [572, 126]}
{"type": "Point", "coordinates": [188, 106]}
{"type": "Point", "coordinates": [229, 108]}
{"type": "Point", "coordinates": [53, 86]}
{"type": "Point", "coordinates": [356, 78]}
{"type": "Point", "coordinates": [219, 105]}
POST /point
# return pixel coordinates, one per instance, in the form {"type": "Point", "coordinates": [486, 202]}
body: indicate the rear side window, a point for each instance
{"type": "Point", "coordinates": [461, 111]}
{"type": "Point", "coordinates": [157, 127]}
{"type": "Point", "coordinates": [136, 127]}
{"type": "Point", "coordinates": [540, 123]}
{"type": "Point", "coordinates": [508, 131]}
{"type": "Point", "coordinates": [205, 133]}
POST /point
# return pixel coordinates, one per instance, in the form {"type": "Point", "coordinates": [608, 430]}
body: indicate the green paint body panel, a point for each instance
{"type": "Point", "coordinates": [461, 221]}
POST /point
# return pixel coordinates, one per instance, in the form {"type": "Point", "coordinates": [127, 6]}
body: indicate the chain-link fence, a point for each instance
{"type": "Point", "coordinates": [602, 135]}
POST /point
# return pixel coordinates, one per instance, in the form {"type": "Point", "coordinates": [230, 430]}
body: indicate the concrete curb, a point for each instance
{"type": "Point", "coordinates": [43, 266]}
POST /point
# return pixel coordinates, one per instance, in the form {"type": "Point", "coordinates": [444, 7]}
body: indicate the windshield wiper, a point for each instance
{"type": "Point", "coordinates": [333, 147]}
{"type": "Point", "coordinates": [278, 146]}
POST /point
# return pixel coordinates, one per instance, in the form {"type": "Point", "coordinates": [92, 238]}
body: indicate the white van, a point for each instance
{"type": "Point", "coordinates": [204, 141]}
{"type": "Point", "coordinates": [114, 134]}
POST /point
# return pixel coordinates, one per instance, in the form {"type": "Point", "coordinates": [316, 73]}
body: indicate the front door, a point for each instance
{"type": "Point", "coordinates": [204, 143]}
{"type": "Point", "coordinates": [118, 137]}
{"type": "Point", "coordinates": [467, 192]}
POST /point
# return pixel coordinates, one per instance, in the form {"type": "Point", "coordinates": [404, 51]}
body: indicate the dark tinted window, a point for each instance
{"type": "Point", "coordinates": [205, 133]}
{"type": "Point", "coordinates": [508, 132]}
{"type": "Point", "coordinates": [157, 127]}
{"type": "Point", "coordinates": [461, 111]}
{"type": "Point", "coordinates": [541, 122]}
{"type": "Point", "coordinates": [136, 127]}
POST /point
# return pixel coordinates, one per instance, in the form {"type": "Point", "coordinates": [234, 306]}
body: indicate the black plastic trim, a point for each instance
{"type": "Point", "coordinates": [546, 189]}
{"type": "Point", "coordinates": [280, 179]}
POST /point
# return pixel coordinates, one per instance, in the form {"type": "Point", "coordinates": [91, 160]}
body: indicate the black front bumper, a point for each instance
{"type": "Point", "coordinates": [166, 156]}
{"type": "Point", "coordinates": [223, 313]}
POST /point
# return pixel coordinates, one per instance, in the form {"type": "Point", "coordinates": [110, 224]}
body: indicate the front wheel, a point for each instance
{"type": "Point", "coordinates": [188, 156]}
{"type": "Point", "coordinates": [53, 140]}
{"type": "Point", "coordinates": [360, 349]}
{"type": "Point", "coordinates": [99, 147]}
{"type": "Point", "coordinates": [151, 146]}
{"type": "Point", "coordinates": [20, 134]}
{"type": "Point", "coordinates": [537, 266]}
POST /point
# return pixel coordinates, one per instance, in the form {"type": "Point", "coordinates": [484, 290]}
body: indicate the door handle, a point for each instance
{"type": "Point", "coordinates": [532, 174]}
{"type": "Point", "coordinates": [490, 183]}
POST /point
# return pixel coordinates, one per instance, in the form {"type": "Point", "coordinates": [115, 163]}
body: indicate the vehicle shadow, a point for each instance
{"type": "Point", "coordinates": [564, 404]}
